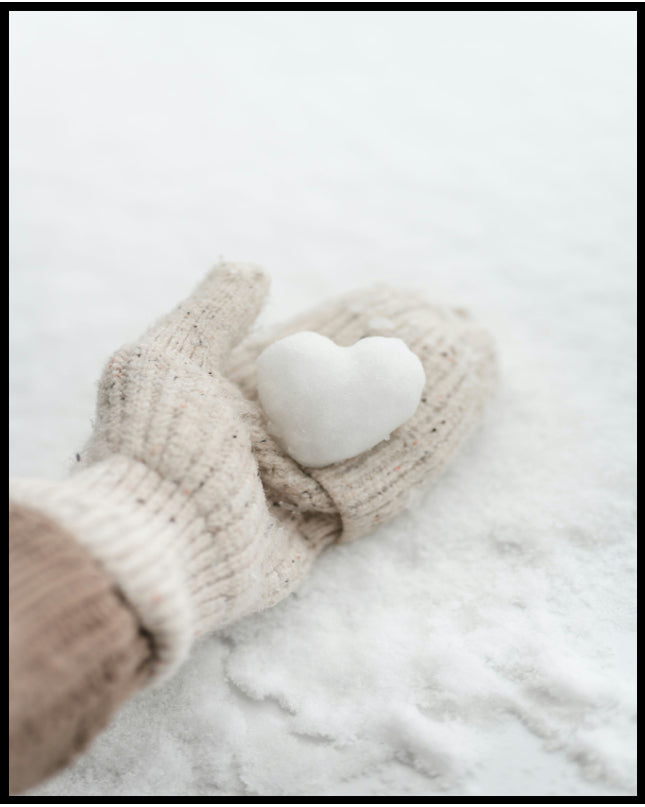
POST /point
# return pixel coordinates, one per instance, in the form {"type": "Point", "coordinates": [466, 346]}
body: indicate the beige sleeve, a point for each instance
{"type": "Point", "coordinates": [76, 649]}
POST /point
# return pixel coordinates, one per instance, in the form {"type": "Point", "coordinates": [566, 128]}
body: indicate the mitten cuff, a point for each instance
{"type": "Point", "coordinates": [140, 528]}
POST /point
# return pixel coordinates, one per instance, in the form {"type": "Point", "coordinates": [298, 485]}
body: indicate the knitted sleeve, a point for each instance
{"type": "Point", "coordinates": [76, 649]}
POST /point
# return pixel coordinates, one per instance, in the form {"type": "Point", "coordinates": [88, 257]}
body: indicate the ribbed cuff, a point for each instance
{"type": "Point", "coordinates": [140, 528]}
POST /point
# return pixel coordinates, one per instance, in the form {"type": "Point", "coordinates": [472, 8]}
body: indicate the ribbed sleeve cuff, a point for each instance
{"type": "Point", "coordinates": [76, 650]}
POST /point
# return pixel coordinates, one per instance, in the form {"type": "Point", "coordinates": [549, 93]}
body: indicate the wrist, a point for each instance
{"type": "Point", "coordinates": [140, 528]}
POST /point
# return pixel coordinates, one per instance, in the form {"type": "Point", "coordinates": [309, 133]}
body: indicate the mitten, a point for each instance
{"type": "Point", "coordinates": [185, 498]}
{"type": "Point", "coordinates": [459, 360]}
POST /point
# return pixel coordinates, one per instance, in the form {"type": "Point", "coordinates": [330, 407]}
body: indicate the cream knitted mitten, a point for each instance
{"type": "Point", "coordinates": [188, 502]}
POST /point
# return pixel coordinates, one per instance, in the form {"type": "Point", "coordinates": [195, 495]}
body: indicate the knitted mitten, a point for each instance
{"type": "Point", "coordinates": [458, 357]}
{"type": "Point", "coordinates": [189, 503]}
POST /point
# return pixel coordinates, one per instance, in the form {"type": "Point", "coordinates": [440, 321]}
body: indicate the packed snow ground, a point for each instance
{"type": "Point", "coordinates": [482, 643]}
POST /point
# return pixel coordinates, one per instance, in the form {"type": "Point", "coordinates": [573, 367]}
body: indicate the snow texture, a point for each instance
{"type": "Point", "coordinates": [326, 403]}
{"type": "Point", "coordinates": [483, 642]}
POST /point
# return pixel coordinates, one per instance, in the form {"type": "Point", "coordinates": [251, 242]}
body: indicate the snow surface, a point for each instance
{"type": "Point", "coordinates": [482, 643]}
{"type": "Point", "coordinates": [326, 403]}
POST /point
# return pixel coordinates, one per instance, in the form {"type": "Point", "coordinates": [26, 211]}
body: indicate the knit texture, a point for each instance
{"type": "Point", "coordinates": [459, 360]}
{"type": "Point", "coordinates": [190, 504]}
{"type": "Point", "coordinates": [76, 650]}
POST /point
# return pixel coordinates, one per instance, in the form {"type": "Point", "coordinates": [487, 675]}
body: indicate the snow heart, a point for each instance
{"type": "Point", "coordinates": [326, 403]}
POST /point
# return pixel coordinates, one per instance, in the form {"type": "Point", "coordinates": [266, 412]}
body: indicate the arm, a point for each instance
{"type": "Point", "coordinates": [185, 515]}
{"type": "Point", "coordinates": [76, 649]}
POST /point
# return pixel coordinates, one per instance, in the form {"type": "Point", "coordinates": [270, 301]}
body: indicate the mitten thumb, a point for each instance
{"type": "Point", "coordinates": [215, 317]}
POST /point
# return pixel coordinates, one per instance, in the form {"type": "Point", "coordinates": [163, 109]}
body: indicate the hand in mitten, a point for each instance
{"type": "Point", "coordinates": [189, 503]}
{"type": "Point", "coordinates": [459, 361]}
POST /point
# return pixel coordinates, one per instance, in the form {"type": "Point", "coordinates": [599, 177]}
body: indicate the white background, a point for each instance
{"type": "Point", "coordinates": [482, 643]}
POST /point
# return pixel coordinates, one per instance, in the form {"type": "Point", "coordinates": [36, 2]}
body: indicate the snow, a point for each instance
{"type": "Point", "coordinates": [483, 643]}
{"type": "Point", "coordinates": [326, 403]}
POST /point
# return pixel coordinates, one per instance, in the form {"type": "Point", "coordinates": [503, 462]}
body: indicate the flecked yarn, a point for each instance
{"type": "Point", "coordinates": [187, 501]}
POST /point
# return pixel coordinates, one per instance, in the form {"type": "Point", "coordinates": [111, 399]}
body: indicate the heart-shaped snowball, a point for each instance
{"type": "Point", "coordinates": [326, 403]}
